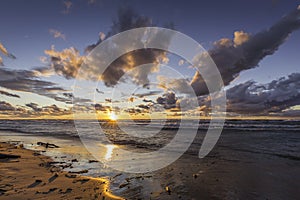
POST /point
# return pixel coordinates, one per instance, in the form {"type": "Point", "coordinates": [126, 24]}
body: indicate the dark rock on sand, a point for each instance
{"type": "Point", "coordinates": [47, 145]}
{"type": "Point", "coordinates": [9, 156]}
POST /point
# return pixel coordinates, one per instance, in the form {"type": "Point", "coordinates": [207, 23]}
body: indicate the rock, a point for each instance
{"type": "Point", "coordinates": [123, 185]}
{"type": "Point", "coordinates": [195, 175]}
{"type": "Point", "coordinates": [8, 156]}
{"type": "Point", "coordinates": [92, 161]}
{"type": "Point", "coordinates": [71, 175]}
{"type": "Point", "coordinates": [80, 172]}
{"type": "Point", "coordinates": [168, 190]}
{"type": "Point", "coordinates": [47, 145]}
{"type": "Point", "coordinates": [20, 146]}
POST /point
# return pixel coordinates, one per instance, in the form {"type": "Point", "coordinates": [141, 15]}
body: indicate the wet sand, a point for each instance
{"type": "Point", "coordinates": [252, 165]}
{"type": "Point", "coordinates": [26, 174]}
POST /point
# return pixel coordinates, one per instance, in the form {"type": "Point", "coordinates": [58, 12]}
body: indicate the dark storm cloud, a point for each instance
{"type": "Point", "coordinates": [246, 51]}
{"type": "Point", "coordinates": [9, 94]}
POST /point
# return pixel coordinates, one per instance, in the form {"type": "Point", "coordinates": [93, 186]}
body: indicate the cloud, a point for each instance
{"type": "Point", "coordinates": [148, 101]}
{"type": "Point", "coordinates": [150, 93]}
{"type": "Point", "coordinates": [244, 51]}
{"type": "Point", "coordinates": [4, 51]}
{"type": "Point", "coordinates": [57, 34]}
{"type": "Point", "coordinates": [32, 110]}
{"type": "Point", "coordinates": [67, 7]}
{"type": "Point", "coordinates": [128, 19]}
{"type": "Point", "coordinates": [133, 111]}
{"type": "Point", "coordinates": [264, 99]}
{"type": "Point", "coordinates": [65, 63]}
{"type": "Point", "coordinates": [289, 113]}
{"type": "Point", "coordinates": [277, 98]}
{"type": "Point", "coordinates": [34, 107]}
{"type": "Point", "coordinates": [102, 36]}
{"type": "Point", "coordinates": [102, 108]}
{"type": "Point", "coordinates": [240, 37]}
{"type": "Point", "coordinates": [180, 85]}
{"type": "Point", "coordinates": [181, 62]}
{"type": "Point", "coordinates": [9, 94]}
{"type": "Point", "coordinates": [4, 106]}
{"type": "Point", "coordinates": [99, 91]}
{"type": "Point", "coordinates": [92, 1]}
{"type": "Point", "coordinates": [27, 81]}
{"type": "Point", "coordinates": [108, 100]}
{"type": "Point", "coordinates": [143, 106]}
{"type": "Point", "coordinates": [168, 100]}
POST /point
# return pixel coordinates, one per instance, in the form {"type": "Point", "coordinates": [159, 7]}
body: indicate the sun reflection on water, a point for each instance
{"type": "Point", "coordinates": [109, 151]}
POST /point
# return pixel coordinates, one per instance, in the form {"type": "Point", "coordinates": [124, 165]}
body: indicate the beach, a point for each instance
{"type": "Point", "coordinates": [26, 174]}
{"type": "Point", "coordinates": [252, 160]}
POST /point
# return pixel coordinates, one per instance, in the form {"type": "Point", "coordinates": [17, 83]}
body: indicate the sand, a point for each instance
{"type": "Point", "coordinates": [30, 175]}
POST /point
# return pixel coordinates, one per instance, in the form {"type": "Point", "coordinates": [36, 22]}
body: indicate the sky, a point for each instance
{"type": "Point", "coordinates": [44, 43]}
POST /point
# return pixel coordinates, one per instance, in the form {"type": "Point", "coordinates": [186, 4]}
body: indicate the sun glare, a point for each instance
{"type": "Point", "coordinates": [112, 116]}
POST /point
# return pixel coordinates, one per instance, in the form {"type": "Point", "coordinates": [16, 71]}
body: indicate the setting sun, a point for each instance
{"type": "Point", "coordinates": [112, 116]}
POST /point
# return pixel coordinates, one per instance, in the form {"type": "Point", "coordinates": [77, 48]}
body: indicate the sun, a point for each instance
{"type": "Point", "coordinates": [112, 116]}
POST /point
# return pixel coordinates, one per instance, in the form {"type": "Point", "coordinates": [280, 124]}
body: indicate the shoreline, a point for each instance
{"type": "Point", "coordinates": [27, 174]}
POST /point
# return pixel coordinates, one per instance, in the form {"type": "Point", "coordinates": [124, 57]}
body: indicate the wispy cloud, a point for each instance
{"type": "Point", "coordinates": [27, 81]}
{"type": "Point", "coordinates": [92, 1]}
{"type": "Point", "coordinates": [67, 7]}
{"type": "Point", "coordinates": [4, 51]}
{"type": "Point", "coordinates": [57, 34]}
{"type": "Point", "coordinates": [8, 94]}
